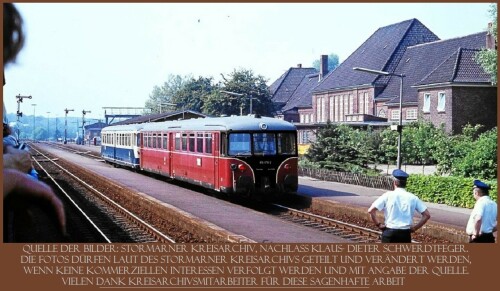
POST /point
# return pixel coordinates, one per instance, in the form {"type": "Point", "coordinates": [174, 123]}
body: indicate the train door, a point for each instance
{"type": "Point", "coordinates": [216, 154]}
{"type": "Point", "coordinates": [114, 147]}
{"type": "Point", "coordinates": [171, 147]}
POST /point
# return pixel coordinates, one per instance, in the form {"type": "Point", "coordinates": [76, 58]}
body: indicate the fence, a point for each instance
{"type": "Point", "coordinates": [380, 182]}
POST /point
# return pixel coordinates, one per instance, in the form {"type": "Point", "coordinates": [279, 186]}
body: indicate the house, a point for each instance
{"type": "Point", "coordinates": [92, 133]}
{"type": "Point", "coordinates": [431, 70]}
{"type": "Point", "coordinates": [285, 87]}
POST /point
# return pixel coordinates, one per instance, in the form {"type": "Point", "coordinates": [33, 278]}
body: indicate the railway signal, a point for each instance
{"type": "Point", "coordinates": [83, 124]}
{"type": "Point", "coordinates": [19, 113]}
{"type": "Point", "coordinates": [66, 123]}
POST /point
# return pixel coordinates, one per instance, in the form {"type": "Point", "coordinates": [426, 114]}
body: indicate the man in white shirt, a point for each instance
{"type": "Point", "coordinates": [398, 206]}
{"type": "Point", "coordinates": [483, 219]}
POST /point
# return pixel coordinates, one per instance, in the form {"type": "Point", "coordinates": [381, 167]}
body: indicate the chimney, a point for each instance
{"type": "Point", "coordinates": [323, 66]}
{"type": "Point", "coordinates": [299, 66]}
{"type": "Point", "coordinates": [490, 39]}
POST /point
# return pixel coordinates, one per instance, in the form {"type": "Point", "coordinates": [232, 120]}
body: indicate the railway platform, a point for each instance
{"type": "Point", "coordinates": [446, 222]}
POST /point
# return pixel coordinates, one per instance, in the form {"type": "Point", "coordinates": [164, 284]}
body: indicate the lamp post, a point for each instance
{"type": "Point", "coordinates": [400, 125]}
{"type": "Point", "coordinates": [34, 106]}
{"type": "Point", "coordinates": [166, 105]}
{"type": "Point", "coordinates": [239, 95]}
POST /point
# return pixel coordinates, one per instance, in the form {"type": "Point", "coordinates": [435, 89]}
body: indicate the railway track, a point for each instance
{"type": "Point", "coordinates": [338, 227]}
{"type": "Point", "coordinates": [345, 230]}
{"type": "Point", "coordinates": [109, 221]}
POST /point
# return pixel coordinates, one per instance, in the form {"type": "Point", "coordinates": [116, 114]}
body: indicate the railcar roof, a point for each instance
{"type": "Point", "coordinates": [126, 127]}
{"type": "Point", "coordinates": [234, 123]}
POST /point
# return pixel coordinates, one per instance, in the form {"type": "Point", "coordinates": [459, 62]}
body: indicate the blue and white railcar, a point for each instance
{"type": "Point", "coordinates": [120, 144]}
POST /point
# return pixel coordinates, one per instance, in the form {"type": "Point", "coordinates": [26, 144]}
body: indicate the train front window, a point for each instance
{"type": "Point", "coordinates": [286, 144]}
{"type": "Point", "coordinates": [239, 144]}
{"type": "Point", "coordinates": [264, 144]}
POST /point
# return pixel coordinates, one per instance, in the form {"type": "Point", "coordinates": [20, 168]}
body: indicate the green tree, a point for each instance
{"type": "Point", "coordinates": [487, 58]}
{"type": "Point", "coordinates": [333, 62]}
{"type": "Point", "coordinates": [389, 146]}
{"type": "Point", "coordinates": [340, 148]}
{"type": "Point", "coordinates": [243, 85]}
{"type": "Point", "coordinates": [192, 94]}
{"type": "Point", "coordinates": [480, 159]}
{"type": "Point", "coordinates": [165, 93]}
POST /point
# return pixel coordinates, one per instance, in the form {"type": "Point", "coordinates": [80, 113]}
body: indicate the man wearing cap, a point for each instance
{"type": "Point", "coordinates": [483, 219]}
{"type": "Point", "coordinates": [398, 206]}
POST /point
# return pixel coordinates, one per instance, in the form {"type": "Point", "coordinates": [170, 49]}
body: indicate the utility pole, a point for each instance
{"type": "Point", "coordinates": [83, 125]}
{"type": "Point", "coordinates": [66, 124]}
{"type": "Point", "coordinates": [19, 113]}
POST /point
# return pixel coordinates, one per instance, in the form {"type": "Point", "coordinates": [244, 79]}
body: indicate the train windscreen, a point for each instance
{"type": "Point", "coordinates": [246, 144]}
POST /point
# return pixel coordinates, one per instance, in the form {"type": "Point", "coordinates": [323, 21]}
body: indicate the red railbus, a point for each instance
{"type": "Point", "coordinates": [238, 154]}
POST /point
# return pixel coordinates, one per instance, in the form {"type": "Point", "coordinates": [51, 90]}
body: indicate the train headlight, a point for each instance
{"type": "Point", "coordinates": [242, 167]}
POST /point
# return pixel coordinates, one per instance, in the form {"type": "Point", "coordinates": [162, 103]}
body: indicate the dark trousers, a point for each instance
{"type": "Point", "coordinates": [483, 238]}
{"type": "Point", "coordinates": [390, 235]}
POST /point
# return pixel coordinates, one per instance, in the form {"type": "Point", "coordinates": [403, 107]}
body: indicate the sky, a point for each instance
{"type": "Point", "coordinates": [87, 56]}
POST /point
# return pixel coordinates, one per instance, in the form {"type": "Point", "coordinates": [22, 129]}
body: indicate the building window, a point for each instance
{"type": "Point", "coordinates": [323, 110]}
{"type": "Point", "coordinates": [367, 104]}
{"type": "Point", "coordinates": [331, 108]}
{"type": "Point", "coordinates": [394, 114]}
{"type": "Point", "coordinates": [305, 137]}
{"type": "Point", "coordinates": [351, 104]}
{"type": "Point", "coordinates": [306, 118]}
{"type": "Point", "coordinates": [411, 114]}
{"type": "Point", "coordinates": [337, 110]}
{"type": "Point", "coordinates": [381, 113]}
{"type": "Point", "coordinates": [427, 103]}
{"type": "Point", "coordinates": [441, 101]}
{"type": "Point", "coordinates": [361, 104]}
{"type": "Point", "coordinates": [318, 109]}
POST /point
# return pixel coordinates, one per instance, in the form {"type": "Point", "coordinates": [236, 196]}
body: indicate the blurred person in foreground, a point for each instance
{"type": "Point", "coordinates": [399, 206]}
{"type": "Point", "coordinates": [22, 195]}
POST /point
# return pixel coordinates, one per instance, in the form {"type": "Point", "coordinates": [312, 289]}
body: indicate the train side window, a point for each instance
{"type": "Point", "coordinates": [154, 140]}
{"type": "Point", "coordinates": [199, 142]}
{"type": "Point", "coordinates": [223, 144]}
{"type": "Point", "coordinates": [184, 141]}
{"type": "Point", "coordinates": [158, 141]}
{"type": "Point", "coordinates": [177, 141]}
{"type": "Point", "coordinates": [165, 141]}
{"type": "Point", "coordinates": [208, 143]}
{"type": "Point", "coordinates": [150, 142]}
{"type": "Point", "coordinates": [191, 142]}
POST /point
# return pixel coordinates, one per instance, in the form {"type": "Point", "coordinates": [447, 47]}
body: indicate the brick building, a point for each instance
{"type": "Point", "coordinates": [434, 70]}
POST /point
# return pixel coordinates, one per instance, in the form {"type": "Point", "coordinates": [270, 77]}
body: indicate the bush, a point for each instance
{"type": "Point", "coordinates": [453, 191]}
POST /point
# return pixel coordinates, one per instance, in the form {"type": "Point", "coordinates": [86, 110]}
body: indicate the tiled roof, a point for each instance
{"type": "Point", "coordinates": [381, 51]}
{"type": "Point", "coordinates": [302, 97]}
{"type": "Point", "coordinates": [460, 67]}
{"type": "Point", "coordinates": [432, 61]}
{"type": "Point", "coordinates": [283, 88]}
